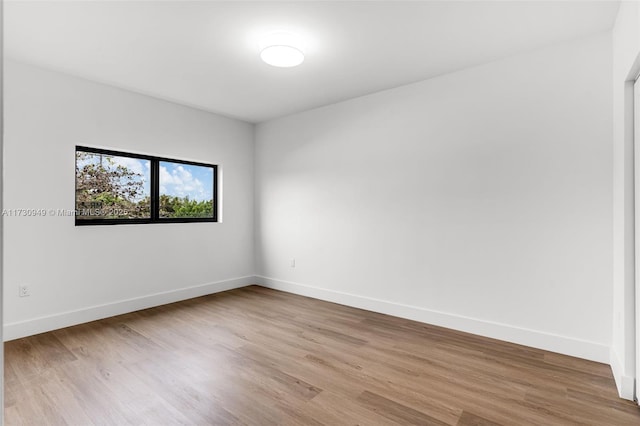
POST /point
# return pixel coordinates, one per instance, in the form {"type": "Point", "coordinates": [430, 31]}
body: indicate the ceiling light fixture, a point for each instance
{"type": "Point", "coordinates": [281, 50]}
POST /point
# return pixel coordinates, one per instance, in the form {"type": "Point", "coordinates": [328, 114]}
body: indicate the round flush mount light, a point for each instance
{"type": "Point", "coordinates": [281, 50]}
{"type": "Point", "coordinates": [282, 56]}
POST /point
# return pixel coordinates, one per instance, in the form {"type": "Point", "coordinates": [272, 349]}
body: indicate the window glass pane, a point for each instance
{"type": "Point", "coordinates": [186, 191]}
{"type": "Point", "coordinates": [112, 187]}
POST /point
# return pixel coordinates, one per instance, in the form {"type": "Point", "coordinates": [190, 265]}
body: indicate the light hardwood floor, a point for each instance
{"type": "Point", "coordinates": [257, 356]}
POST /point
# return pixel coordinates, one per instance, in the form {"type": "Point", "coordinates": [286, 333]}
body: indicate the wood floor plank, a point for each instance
{"type": "Point", "coordinates": [470, 419]}
{"type": "Point", "coordinates": [334, 409]}
{"type": "Point", "coordinates": [396, 411]}
{"type": "Point", "coordinates": [258, 356]}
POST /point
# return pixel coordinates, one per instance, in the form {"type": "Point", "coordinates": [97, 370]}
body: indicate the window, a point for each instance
{"type": "Point", "coordinates": [122, 188]}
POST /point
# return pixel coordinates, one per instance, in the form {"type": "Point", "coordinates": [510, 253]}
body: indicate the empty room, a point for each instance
{"type": "Point", "coordinates": [320, 212]}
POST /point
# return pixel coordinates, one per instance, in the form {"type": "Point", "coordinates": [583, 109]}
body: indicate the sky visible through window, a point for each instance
{"type": "Point", "coordinates": [176, 179]}
{"type": "Point", "coordinates": [185, 180]}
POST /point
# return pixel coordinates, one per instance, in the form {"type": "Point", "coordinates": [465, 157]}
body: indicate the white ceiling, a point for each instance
{"type": "Point", "coordinates": [205, 53]}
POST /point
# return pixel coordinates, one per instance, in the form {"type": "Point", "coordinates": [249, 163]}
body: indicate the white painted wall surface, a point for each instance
{"type": "Point", "coordinates": [79, 273]}
{"type": "Point", "coordinates": [479, 200]}
{"type": "Point", "coordinates": [626, 47]}
{"type": "Point", "coordinates": [1, 192]}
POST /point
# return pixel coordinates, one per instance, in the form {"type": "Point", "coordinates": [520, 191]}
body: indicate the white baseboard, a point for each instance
{"type": "Point", "coordinates": [16, 330]}
{"type": "Point", "coordinates": [624, 383]}
{"type": "Point", "coordinates": [533, 338]}
{"type": "Point", "coordinates": [551, 342]}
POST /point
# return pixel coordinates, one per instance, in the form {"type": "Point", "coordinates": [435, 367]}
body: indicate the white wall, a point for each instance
{"type": "Point", "coordinates": [626, 47]}
{"type": "Point", "coordinates": [81, 273]}
{"type": "Point", "coordinates": [479, 200]}
{"type": "Point", "coordinates": [1, 192]}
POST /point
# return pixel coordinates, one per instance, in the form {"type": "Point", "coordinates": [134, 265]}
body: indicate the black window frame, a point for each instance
{"type": "Point", "coordinates": [154, 189]}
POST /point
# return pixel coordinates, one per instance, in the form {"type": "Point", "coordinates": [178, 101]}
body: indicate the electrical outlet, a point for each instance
{"type": "Point", "coordinates": [24, 291]}
{"type": "Point", "coordinates": [293, 262]}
